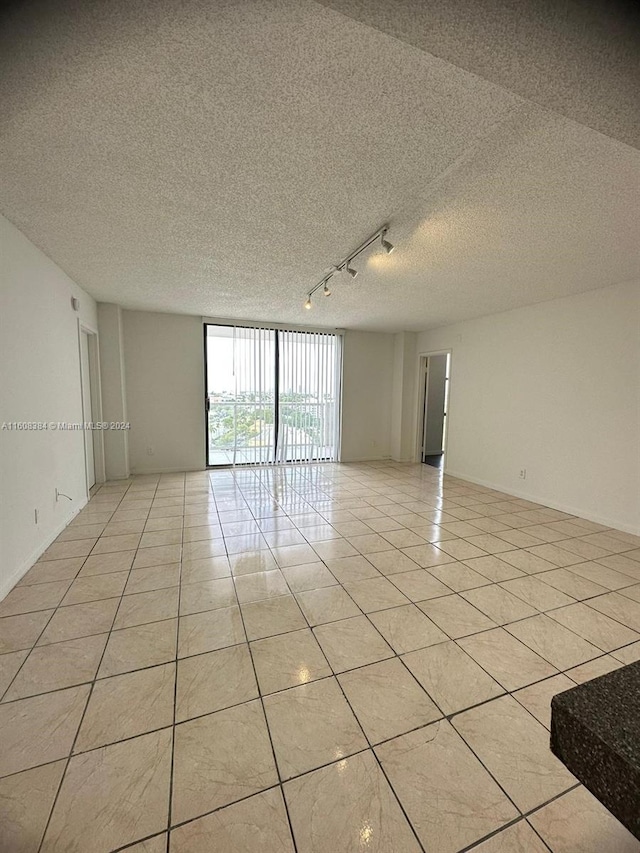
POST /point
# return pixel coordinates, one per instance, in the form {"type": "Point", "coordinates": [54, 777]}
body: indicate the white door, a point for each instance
{"type": "Point", "coordinates": [85, 369]}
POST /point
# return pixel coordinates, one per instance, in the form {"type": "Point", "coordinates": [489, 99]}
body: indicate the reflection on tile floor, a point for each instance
{"type": "Point", "coordinates": [308, 658]}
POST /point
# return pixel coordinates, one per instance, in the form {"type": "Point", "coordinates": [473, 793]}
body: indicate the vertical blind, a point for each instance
{"type": "Point", "coordinates": [272, 395]}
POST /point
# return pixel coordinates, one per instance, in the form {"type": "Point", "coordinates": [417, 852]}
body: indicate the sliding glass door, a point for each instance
{"type": "Point", "coordinates": [273, 395]}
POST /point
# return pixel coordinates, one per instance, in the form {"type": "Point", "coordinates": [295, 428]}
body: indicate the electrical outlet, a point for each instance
{"type": "Point", "coordinates": [523, 473]}
{"type": "Point", "coordinates": [150, 451]}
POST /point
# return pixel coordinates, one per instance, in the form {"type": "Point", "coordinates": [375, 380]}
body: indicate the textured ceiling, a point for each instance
{"type": "Point", "coordinates": [215, 158]}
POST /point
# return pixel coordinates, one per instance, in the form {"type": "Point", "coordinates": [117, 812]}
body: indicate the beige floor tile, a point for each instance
{"type": "Point", "coordinates": [626, 564]}
{"type": "Point", "coordinates": [252, 561]}
{"type": "Point", "coordinates": [506, 659]}
{"type": "Point", "coordinates": [288, 660]}
{"type": "Point", "coordinates": [10, 663]}
{"type": "Point", "coordinates": [57, 666]}
{"type": "Point", "coordinates": [403, 538]}
{"type": "Point", "coordinates": [40, 729]}
{"type": "Point", "coordinates": [455, 616]}
{"type": "Point", "coordinates": [628, 654]}
{"type": "Point", "coordinates": [536, 593]}
{"type": "Point", "coordinates": [526, 562]}
{"type": "Point", "coordinates": [618, 607]}
{"type": "Point", "coordinates": [258, 823]}
{"type": "Point", "coordinates": [155, 577]}
{"type": "Point", "coordinates": [537, 697]}
{"type": "Point", "coordinates": [609, 578]}
{"type": "Point", "coordinates": [387, 700]}
{"type": "Point", "coordinates": [351, 643]}
{"type": "Point", "coordinates": [493, 568]}
{"type": "Point", "coordinates": [112, 796]}
{"type": "Point", "coordinates": [259, 586]}
{"type": "Point", "coordinates": [447, 795]}
{"type": "Point", "coordinates": [327, 605]}
{"type": "Point", "coordinates": [419, 585]}
{"type": "Point", "coordinates": [138, 647]}
{"type": "Point", "coordinates": [498, 604]}
{"type": "Point", "coordinates": [450, 677]}
{"type": "Point", "coordinates": [95, 588]}
{"type": "Point", "coordinates": [578, 823]}
{"type": "Point", "coordinates": [572, 584]}
{"type": "Point", "coordinates": [199, 534]}
{"type": "Point", "coordinates": [128, 705]}
{"type": "Point", "coordinates": [152, 538]}
{"type": "Point", "coordinates": [392, 562]}
{"type": "Point", "coordinates": [632, 592]}
{"type": "Point", "coordinates": [80, 620]}
{"type": "Point", "coordinates": [284, 538]}
{"type": "Point", "coordinates": [517, 838]}
{"type": "Point", "coordinates": [459, 577]}
{"type": "Point", "coordinates": [53, 570]}
{"type": "Point", "coordinates": [157, 556]}
{"type": "Point", "coordinates": [407, 628]}
{"type": "Point", "coordinates": [209, 631]}
{"type": "Point", "coordinates": [375, 594]}
{"type": "Point", "coordinates": [356, 568]}
{"type": "Point", "coordinates": [22, 631]}
{"type": "Point", "coordinates": [111, 544]}
{"type": "Point", "coordinates": [207, 595]}
{"type": "Point", "coordinates": [553, 641]}
{"type": "Point", "coordinates": [345, 807]}
{"type": "Point", "coordinates": [203, 549]}
{"type": "Point", "coordinates": [460, 549]}
{"type": "Point", "coordinates": [308, 576]}
{"type": "Point", "coordinates": [295, 555]}
{"type": "Point", "coordinates": [72, 548]}
{"type": "Point", "coordinates": [311, 725]}
{"type": "Point", "coordinates": [203, 569]}
{"type": "Point", "coordinates": [213, 681]}
{"type": "Point", "coordinates": [102, 564]}
{"type": "Point", "coordinates": [82, 531]}
{"type": "Point", "coordinates": [272, 616]}
{"type": "Point", "coordinates": [593, 669]}
{"type": "Point", "coordinates": [25, 804]}
{"type": "Point", "coordinates": [515, 749]}
{"type": "Point", "coordinates": [27, 599]}
{"type": "Point", "coordinates": [603, 632]}
{"type": "Point", "coordinates": [221, 758]}
{"type": "Point", "coordinates": [143, 607]}
{"type": "Point", "coordinates": [427, 556]}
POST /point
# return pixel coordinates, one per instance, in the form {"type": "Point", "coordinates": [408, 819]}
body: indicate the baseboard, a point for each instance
{"type": "Point", "coordinates": [7, 584]}
{"type": "Point", "coordinates": [365, 459]}
{"type": "Point", "coordinates": [138, 472]}
{"type": "Point", "coordinates": [545, 501]}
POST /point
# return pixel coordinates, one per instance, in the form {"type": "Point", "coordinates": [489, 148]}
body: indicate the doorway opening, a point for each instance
{"type": "Point", "coordinates": [434, 393]}
{"type": "Point", "coordinates": [272, 395]}
{"type": "Point", "coordinates": [91, 408]}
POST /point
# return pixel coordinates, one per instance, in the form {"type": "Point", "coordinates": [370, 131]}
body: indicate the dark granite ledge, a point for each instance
{"type": "Point", "coordinates": [595, 732]}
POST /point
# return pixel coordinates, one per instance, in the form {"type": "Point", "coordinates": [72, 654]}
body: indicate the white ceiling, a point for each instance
{"type": "Point", "coordinates": [215, 158]}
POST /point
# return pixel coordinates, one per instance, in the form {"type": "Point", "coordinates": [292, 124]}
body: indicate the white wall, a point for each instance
{"type": "Point", "coordinates": [403, 414]}
{"type": "Point", "coordinates": [367, 381]}
{"type": "Point", "coordinates": [39, 382]}
{"type": "Point", "coordinates": [164, 370]}
{"type": "Point", "coordinates": [553, 388]}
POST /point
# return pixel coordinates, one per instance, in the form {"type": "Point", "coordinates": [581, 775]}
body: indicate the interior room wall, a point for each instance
{"type": "Point", "coordinates": [164, 377]}
{"type": "Point", "coordinates": [367, 388]}
{"type": "Point", "coordinates": [403, 411]}
{"type": "Point", "coordinates": [113, 385]}
{"type": "Point", "coordinates": [39, 383]}
{"type": "Point", "coordinates": [552, 389]}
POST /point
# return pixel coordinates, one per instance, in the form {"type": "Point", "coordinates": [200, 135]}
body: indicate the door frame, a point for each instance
{"type": "Point", "coordinates": [421, 396]}
{"type": "Point", "coordinates": [96, 402]}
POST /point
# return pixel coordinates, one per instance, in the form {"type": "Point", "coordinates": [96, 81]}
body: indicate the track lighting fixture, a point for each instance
{"type": "Point", "coordinates": [345, 263]}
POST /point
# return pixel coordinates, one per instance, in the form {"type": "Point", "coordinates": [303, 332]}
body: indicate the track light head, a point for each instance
{"type": "Point", "coordinates": [307, 304]}
{"type": "Point", "coordinates": [326, 290]}
{"type": "Point", "coordinates": [353, 273]}
{"type": "Point", "coordinates": [386, 245]}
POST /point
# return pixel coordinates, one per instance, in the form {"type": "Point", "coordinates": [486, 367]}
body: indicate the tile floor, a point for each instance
{"type": "Point", "coordinates": [312, 658]}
